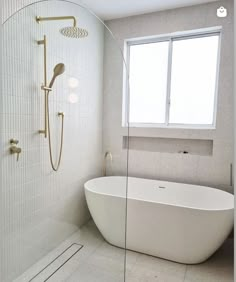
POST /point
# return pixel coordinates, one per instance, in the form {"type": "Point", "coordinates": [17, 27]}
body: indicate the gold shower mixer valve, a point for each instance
{"type": "Point", "coordinates": [14, 149]}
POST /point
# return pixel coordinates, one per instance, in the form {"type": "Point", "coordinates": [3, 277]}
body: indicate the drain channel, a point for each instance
{"type": "Point", "coordinates": [50, 269]}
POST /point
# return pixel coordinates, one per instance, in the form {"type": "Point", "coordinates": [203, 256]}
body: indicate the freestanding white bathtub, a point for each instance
{"type": "Point", "coordinates": [178, 222]}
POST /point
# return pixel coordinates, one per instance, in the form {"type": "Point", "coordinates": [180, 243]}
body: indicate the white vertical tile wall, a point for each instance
{"type": "Point", "coordinates": [206, 170]}
{"type": "Point", "coordinates": [38, 207]}
{"type": "Point", "coordinates": [9, 7]}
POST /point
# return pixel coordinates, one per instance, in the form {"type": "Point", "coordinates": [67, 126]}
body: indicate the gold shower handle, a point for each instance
{"type": "Point", "coordinates": [16, 150]}
{"type": "Point", "coordinates": [18, 155]}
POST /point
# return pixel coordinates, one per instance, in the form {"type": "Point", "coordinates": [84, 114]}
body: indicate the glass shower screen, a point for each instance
{"type": "Point", "coordinates": [60, 109]}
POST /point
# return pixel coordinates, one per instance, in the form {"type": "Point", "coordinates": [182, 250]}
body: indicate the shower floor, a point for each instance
{"type": "Point", "coordinates": [91, 259]}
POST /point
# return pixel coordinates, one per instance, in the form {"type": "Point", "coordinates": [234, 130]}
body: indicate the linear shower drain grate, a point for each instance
{"type": "Point", "coordinates": [50, 269]}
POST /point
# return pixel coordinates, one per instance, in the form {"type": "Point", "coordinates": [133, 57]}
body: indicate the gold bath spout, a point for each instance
{"type": "Point", "coordinates": [107, 155]}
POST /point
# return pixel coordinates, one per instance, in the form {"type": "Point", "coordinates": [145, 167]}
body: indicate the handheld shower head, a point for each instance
{"type": "Point", "coordinates": [58, 70]}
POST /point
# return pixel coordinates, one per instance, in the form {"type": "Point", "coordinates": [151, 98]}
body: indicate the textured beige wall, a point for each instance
{"type": "Point", "coordinates": [207, 170]}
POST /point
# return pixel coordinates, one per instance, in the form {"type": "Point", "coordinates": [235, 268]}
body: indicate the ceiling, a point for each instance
{"type": "Point", "coordinates": [111, 9]}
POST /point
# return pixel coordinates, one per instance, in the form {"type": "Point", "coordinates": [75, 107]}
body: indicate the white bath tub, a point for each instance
{"type": "Point", "coordinates": [178, 222]}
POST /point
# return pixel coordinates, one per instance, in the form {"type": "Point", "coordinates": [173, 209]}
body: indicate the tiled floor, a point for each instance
{"type": "Point", "coordinates": [98, 261]}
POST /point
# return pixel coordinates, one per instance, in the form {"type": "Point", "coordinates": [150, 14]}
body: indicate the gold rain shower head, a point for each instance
{"type": "Point", "coordinates": [70, 31]}
{"type": "Point", "coordinates": [74, 32]}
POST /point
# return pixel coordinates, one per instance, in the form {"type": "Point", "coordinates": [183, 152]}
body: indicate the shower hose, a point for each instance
{"type": "Point", "coordinates": [54, 167]}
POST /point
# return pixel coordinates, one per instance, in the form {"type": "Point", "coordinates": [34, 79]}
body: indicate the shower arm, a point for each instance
{"type": "Point", "coordinates": [40, 19]}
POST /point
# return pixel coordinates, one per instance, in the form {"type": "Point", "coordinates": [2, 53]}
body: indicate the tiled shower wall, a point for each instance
{"type": "Point", "coordinates": [38, 207]}
{"type": "Point", "coordinates": [9, 7]}
{"type": "Point", "coordinates": [152, 162]}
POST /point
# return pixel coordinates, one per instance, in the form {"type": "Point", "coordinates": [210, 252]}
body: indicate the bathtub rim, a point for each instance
{"type": "Point", "coordinates": [155, 202]}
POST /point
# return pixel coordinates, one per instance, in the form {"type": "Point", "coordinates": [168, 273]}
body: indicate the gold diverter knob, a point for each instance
{"type": "Point", "coordinates": [14, 149]}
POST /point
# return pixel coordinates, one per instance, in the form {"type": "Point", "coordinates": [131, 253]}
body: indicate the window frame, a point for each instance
{"type": "Point", "coordinates": [200, 33]}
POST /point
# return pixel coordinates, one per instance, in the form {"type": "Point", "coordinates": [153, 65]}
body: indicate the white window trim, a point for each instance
{"type": "Point", "coordinates": [168, 37]}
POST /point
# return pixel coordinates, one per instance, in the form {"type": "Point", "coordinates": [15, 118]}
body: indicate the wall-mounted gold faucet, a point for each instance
{"type": "Point", "coordinates": [14, 149]}
{"type": "Point", "coordinates": [106, 156]}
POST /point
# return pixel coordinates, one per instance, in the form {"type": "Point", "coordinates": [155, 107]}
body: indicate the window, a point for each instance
{"type": "Point", "coordinates": [173, 81]}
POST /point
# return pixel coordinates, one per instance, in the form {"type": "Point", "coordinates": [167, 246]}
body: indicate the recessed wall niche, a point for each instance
{"type": "Point", "coordinates": [169, 145]}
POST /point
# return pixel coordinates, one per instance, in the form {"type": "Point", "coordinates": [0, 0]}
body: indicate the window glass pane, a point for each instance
{"type": "Point", "coordinates": [148, 82]}
{"type": "Point", "coordinates": [193, 80]}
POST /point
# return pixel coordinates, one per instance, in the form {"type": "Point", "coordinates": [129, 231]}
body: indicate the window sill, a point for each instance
{"type": "Point", "coordinates": [170, 132]}
{"type": "Point", "coordinates": [171, 126]}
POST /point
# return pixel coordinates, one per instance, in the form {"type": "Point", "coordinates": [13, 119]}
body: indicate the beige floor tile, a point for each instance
{"type": "Point", "coordinates": [202, 275]}
{"type": "Point", "coordinates": [156, 267]}
{"type": "Point", "coordinates": [98, 261]}
{"type": "Point", "coordinates": [91, 273]}
{"type": "Point", "coordinates": [218, 268]}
